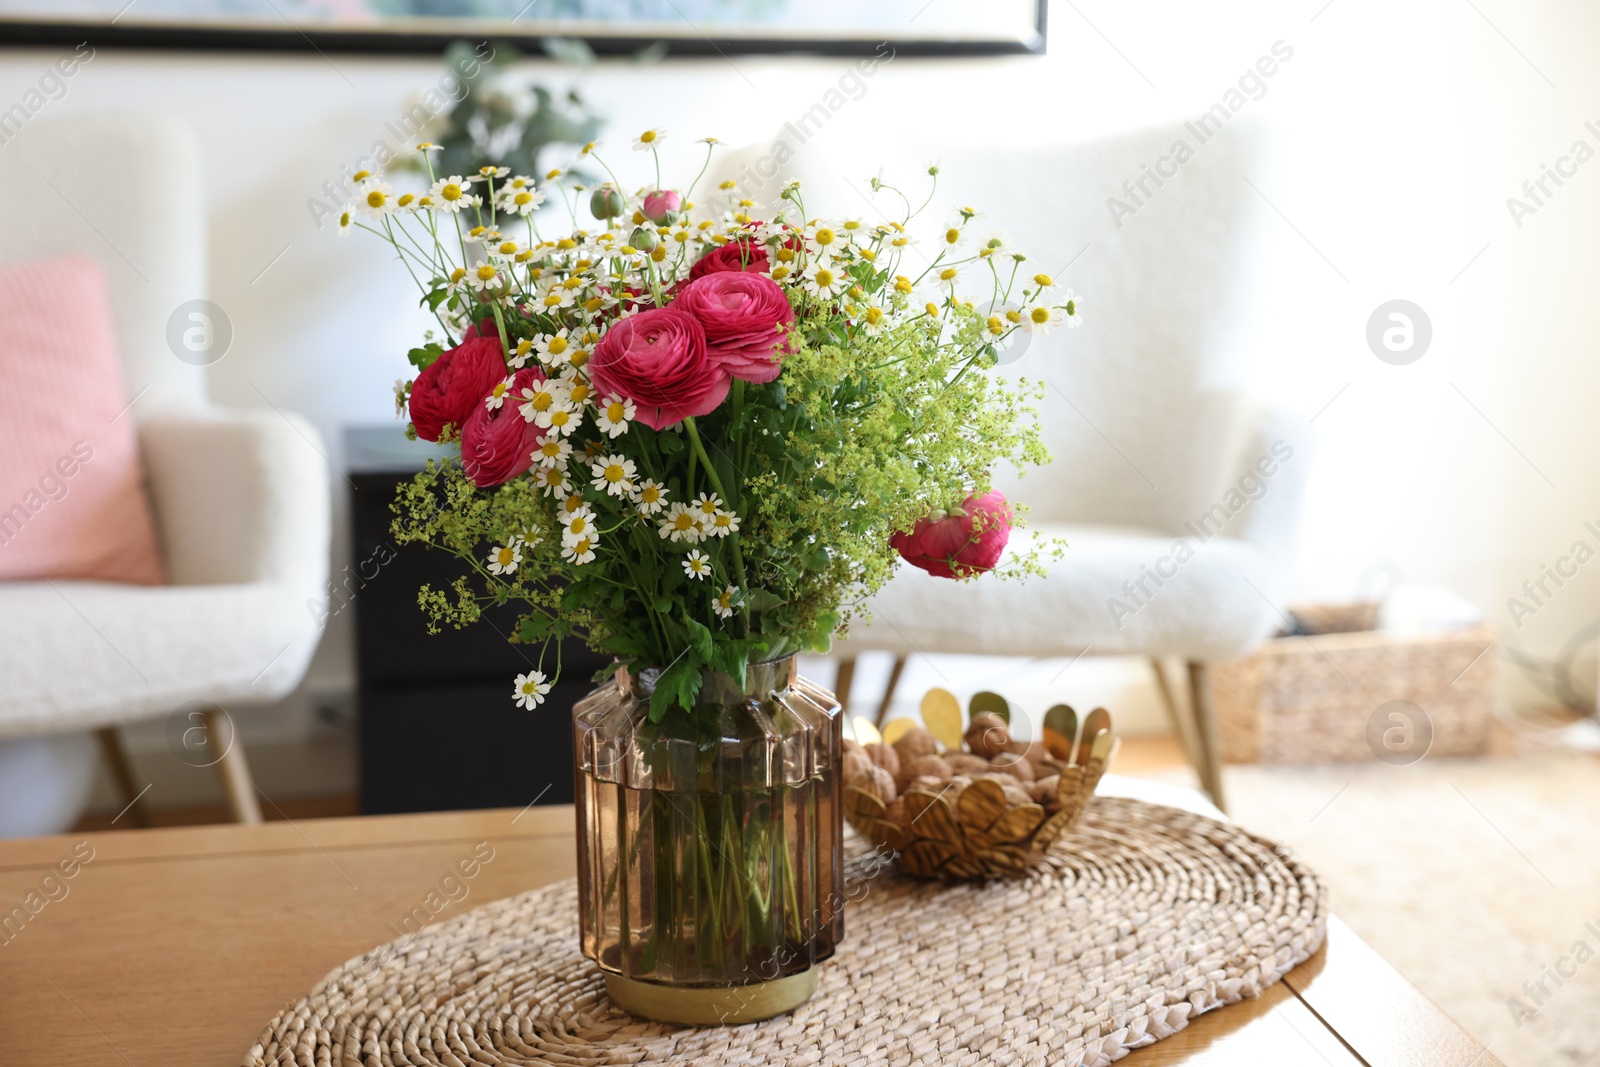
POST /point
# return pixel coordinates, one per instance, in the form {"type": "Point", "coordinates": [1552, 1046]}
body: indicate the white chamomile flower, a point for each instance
{"type": "Point", "coordinates": [614, 474]}
{"type": "Point", "coordinates": [376, 198]}
{"type": "Point", "coordinates": [552, 452]}
{"type": "Point", "coordinates": [697, 564]}
{"type": "Point", "coordinates": [503, 559]}
{"type": "Point", "coordinates": [1039, 319]}
{"type": "Point", "coordinates": [651, 496]}
{"type": "Point", "coordinates": [873, 321]}
{"type": "Point", "coordinates": [553, 480]}
{"type": "Point", "coordinates": [682, 524]}
{"type": "Point", "coordinates": [824, 241]}
{"type": "Point", "coordinates": [538, 398]}
{"type": "Point", "coordinates": [575, 387]}
{"type": "Point", "coordinates": [524, 200]}
{"type": "Point", "coordinates": [614, 415]}
{"type": "Point", "coordinates": [825, 280]}
{"type": "Point", "coordinates": [346, 218]}
{"type": "Point", "coordinates": [556, 296]}
{"type": "Point", "coordinates": [579, 551]}
{"type": "Point", "coordinates": [520, 354]}
{"type": "Point", "coordinates": [503, 249]}
{"type": "Point", "coordinates": [723, 602]}
{"type": "Point", "coordinates": [531, 689]}
{"type": "Point", "coordinates": [497, 395]}
{"type": "Point", "coordinates": [484, 276]}
{"type": "Point", "coordinates": [994, 241]}
{"type": "Point", "coordinates": [528, 539]}
{"type": "Point", "coordinates": [573, 504]}
{"type": "Point", "coordinates": [1071, 308]}
{"type": "Point", "coordinates": [560, 419]}
{"type": "Point", "coordinates": [722, 523]}
{"type": "Point", "coordinates": [490, 173]}
{"type": "Point", "coordinates": [457, 280]}
{"type": "Point", "coordinates": [648, 140]}
{"type": "Point", "coordinates": [554, 349]}
{"type": "Point", "coordinates": [400, 387]}
{"type": "Point", "coordinates": [579, 523]}
{"type": "Point", "coordinates": [706, 505]}
{"type": "Point", "coordinates": [449, 194]}
{"type": "Point", "coordinates": [946, 279]}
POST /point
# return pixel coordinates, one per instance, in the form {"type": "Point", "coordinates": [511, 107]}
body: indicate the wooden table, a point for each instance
{"type": "Point", "coordinates": [175, 947]}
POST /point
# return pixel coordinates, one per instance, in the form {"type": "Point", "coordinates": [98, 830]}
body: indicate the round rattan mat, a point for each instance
{"type": "Point", "coordinates": [1138, 920]}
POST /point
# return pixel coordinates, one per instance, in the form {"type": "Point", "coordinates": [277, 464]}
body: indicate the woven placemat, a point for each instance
{"type": "Point", "coordinates": [1138, 920]}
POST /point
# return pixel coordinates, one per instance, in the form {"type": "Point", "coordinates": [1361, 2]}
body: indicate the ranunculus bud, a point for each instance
{"type": "Point", "coordinates": [966, 541]}
{"type": "Point", "coordinates": [643, 238]}
{"type": "Point", "coordinates": [605, 203]}
{"type": "Point", "coordinates": [661, 206]}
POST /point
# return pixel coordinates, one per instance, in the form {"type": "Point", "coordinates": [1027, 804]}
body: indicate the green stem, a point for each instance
{"type": "Point", "coordinates": [733, 539]}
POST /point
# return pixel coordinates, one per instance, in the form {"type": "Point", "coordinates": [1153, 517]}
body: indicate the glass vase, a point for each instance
{"type": "Point", "coordinates": [710, 881]}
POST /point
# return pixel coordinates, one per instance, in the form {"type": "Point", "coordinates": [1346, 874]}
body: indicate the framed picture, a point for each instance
{"type": "Point", "coordinates": [685, 27]}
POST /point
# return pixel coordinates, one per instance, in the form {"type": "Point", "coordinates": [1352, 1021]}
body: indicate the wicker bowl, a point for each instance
{"type": "Point", "coordinates": [987, 825]}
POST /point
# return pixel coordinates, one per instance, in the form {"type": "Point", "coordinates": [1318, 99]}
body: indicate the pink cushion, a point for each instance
{"type": "Point", "coordinates": [72, 496]}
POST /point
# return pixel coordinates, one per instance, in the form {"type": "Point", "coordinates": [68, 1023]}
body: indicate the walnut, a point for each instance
{"type": "Point", "coordinates": [914, 743]}
{"type": "Point", "coordinates": [856, 763]}
{"type": "Point", "coordinates": [878, 782]}
{"type": "Point", "coordinates": [966, 763]}
{"type": "Point", "coordinates": [1043, 790]}
{"type": "Point", "coordinates": [884, 757]}
{"type": "Point", "coordinates": [987, 735]}
{"type": "Point", "coordinates": [930, 765]}
{"type": "Point", "coordinates": [1014, 765]}
{"type": "Point", "coordinates": [928, 784]}
{"type": "Point", "coordinates": [851, 746]}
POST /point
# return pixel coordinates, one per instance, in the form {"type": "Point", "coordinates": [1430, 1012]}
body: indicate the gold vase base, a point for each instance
{"type": "Point", "coordinates": [711, 1005]}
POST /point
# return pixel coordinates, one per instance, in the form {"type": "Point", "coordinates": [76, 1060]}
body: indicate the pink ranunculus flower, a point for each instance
{"type": "Point", "coordinates": [746, 319]}
{"type": "Point", "coordinates": [736, 255]}
{"type": "Point", "coordinates": [658, 359]}
{"type": "Point", "coordinates": [959, 543]}
{"type": "Point", "coordinates": [660, 204]}
{"type": "Point", "coordinates": [454, 384]}
{"type": "Point", "coordinates": [497, 443]}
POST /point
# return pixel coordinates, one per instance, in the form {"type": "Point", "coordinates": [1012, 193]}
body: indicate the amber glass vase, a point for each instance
{"type": "Point", "coordinates": [709, 872]}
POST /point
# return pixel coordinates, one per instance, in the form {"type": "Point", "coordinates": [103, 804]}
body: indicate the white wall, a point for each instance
{"type": "Point", "coordinates": [1399, 131]}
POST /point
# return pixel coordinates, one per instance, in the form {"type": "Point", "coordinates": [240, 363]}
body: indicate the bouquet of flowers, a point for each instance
{"type": "Point", "coordinates": [696, 438]}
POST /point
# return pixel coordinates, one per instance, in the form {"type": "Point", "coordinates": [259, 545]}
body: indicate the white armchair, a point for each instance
{"type": "Point", "coordinates": [1156, 444]}
{"type": "Point", "coordinates": [241, 497]}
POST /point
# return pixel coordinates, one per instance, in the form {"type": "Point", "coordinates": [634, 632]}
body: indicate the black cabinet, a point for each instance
{"type": "Point", "coordinates": [438, 729]}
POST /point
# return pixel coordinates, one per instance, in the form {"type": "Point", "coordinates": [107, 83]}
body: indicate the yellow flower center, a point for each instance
{"type": "Point", "coordinates": [376, 198]}
{"type": "Point", "coordinates": [948, 274]}
{"type": "Point", "coordinates": [566, 244]}
{"type": "Point", "coordinates": [541, 400]}
{"type": "Point", "coordinates": [952, 235]}
{"type": "Point", "coordinates": [825, 278]}
{"type": "Point", "coordinates": [557, 345]}
{"type": "Point", "coordinates": [451, 191]}
{"type": "Point", "coordinates": [560, 418]}
{"type": "Point", "coordinates": [615, 473]}
{"type": "Point", "coordinates": [874, 315]}
{"type": "Point", "coordinates": [578, 524]}
{"type": "Point", "coordinates": [504, 556]}
{"type": "Point", "coordinates": [1040, 316]}
{"type": "Point", "coordinates": [486, 273]}
{"type": "Point", "coordinates": [615, 410]}
{"type": "Point", "coordinates": [581, 546]}
{"type": "Point", "coordinates": [649, 495]}
{"type": "Point", "coordinates": [779, 273]}
{"type": "Point", "coordinates": [523, 198]}
{"type": "Point", "coordinates": [507, 247]}
{"type": "Point", "coordinates": [683, 521]}
{"type": "Point", "coordinates": [360, 175]}
{"type": "Point", "coordinates": [648, 136]}
{"type": "Point", "coordinates": [405, 199]}
{"type": "Point", "coordinates": [996, 325]}
{"type": "Point", "coordinates": [824, 237]}
{"type": "Point", "coordinates": [1043, 279]}
{"type": "Point", "coordinates": [579, 392]}
{"type": "Point", "coordinates": [552, 300]}
{"type": "Point", "coordinates": [551, 448]}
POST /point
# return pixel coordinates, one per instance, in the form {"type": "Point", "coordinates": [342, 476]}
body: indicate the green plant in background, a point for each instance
{"type": "Point", "coordinates": [502, 121]}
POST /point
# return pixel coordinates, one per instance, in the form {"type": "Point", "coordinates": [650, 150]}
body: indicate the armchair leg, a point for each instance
{"type": "Point", "coordinates": [888, 690]}
{"type": "Point", "coordinates": [233, 770]}
{"type": "Point", "coordinates": [116, 758]}
{"type": "Point", "coordinates": [1207, 744]}
{"type": "Point", "coordinates": [843, 680]}
{"type": "Point", "coordinates": [1181, 723]}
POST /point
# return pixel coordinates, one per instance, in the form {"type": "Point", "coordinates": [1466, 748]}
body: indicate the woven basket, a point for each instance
{"type": "Point", "coordinates": [1311, 699]}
